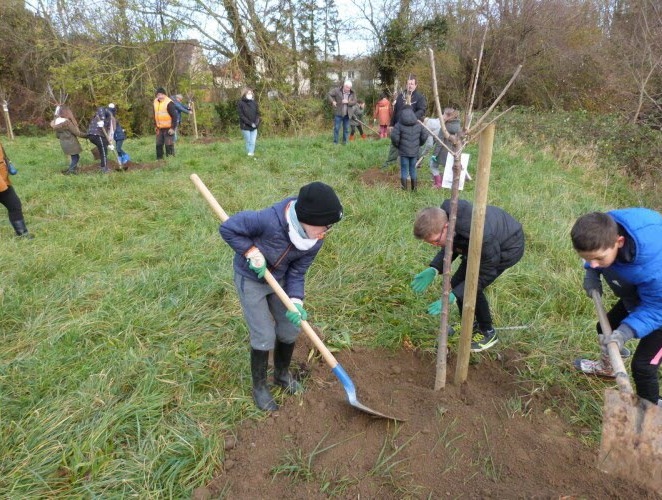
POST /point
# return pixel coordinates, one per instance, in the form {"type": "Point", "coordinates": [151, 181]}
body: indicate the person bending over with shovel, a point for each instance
{"type": "Point", "coordinates": [625, 247]}
{"type": "Point", "coordinates": [502, 247]}
{"type": "Point", "coordinates": [285, 238]}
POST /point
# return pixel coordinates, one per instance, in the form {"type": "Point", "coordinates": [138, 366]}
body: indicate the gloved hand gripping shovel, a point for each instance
{"type": "Point", "coordinates": [120, 165]}
{"type": "Point", "coordinates": [337, 370]}
{"type": "Point", "coordinates": [631, 444]}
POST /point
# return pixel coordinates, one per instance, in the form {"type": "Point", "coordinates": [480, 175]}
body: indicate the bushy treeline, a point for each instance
{"type": "Point", "coordinates": [595, 55]}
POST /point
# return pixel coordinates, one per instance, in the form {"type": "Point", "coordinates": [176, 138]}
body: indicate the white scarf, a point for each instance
{"type": "Point", "coordinates": [296, 232]}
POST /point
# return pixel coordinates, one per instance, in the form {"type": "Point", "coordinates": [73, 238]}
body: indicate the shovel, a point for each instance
{"type": "Point", "coordinates": [631, 444]}
{"type": "Point", "coordinates": [337, 370]}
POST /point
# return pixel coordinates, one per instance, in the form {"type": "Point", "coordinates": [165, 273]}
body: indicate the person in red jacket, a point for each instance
{"type": "Point", "coordinates": [382, 115]}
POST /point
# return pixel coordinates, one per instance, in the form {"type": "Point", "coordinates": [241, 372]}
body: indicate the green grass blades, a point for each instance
{"type": "Point", "coordinates": [125, 354]}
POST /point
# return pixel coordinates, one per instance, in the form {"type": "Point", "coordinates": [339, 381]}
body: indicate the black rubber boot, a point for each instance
{"type": "Point", "coordinates": [159, 152]}
{"type": "Point", "coordinates": [413, 185]}
{"type": "Point", "coordinates": [261, 394]}
{"type": "Point", "coordinates": [282, 376]}
{"type": "Point", "coordinates": [21, 230]}
{"type": "Point", "coordinates": [170, 150]}
{"type": "Point", "coordinates": [403, 184]}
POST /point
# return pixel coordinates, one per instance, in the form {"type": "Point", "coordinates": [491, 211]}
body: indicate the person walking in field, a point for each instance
{"type": "Point", "coordinates": [382, 115]}
{"type": "Point", "coordinates": [249, 119]}
{"type": "Point", "coordinates": [342, 99]}
{"type": "Point", "coordinates": [451, 119]}
{"type": "Point", "coordinates": [165, 119]}
{"type": "Point", "coordinates": [284, 238]}
{"type": "Point", "coordinates": [100, 132]}
{"type": "Point", "coordinates": [625, 248]}
{"type": "Point", "coordinates": [355, 119]}
{"type": "Point", "coordinates": [408, 136]}
{"type": "Point", "coordinates": [502, 248]}
{"type": "Point", "coordinates": [9, 198]}
{"type": "Point", "coordinates": [66, 130]}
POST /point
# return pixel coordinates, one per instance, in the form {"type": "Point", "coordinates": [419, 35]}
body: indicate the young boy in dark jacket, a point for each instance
{"type": "Point", "coordinates": [502, 247]}
{"type": "Point", "coordinates": [284, 238]}
{"type": "Point", "coordinates": [625, 247]}
{"type": "Point", "coordinates": [408, 136]}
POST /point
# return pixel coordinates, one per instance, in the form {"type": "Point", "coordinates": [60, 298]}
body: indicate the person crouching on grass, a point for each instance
{"type": "Point", "coordinates": [285, 238]}
{"type": "Point", "coordinates": [625, 247]}
{"type": "Point", "coordinates": [502, 247]}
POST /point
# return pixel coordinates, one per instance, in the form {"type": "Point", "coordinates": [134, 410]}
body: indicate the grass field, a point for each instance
{"type": "Point", "coordinates": [125, 355]}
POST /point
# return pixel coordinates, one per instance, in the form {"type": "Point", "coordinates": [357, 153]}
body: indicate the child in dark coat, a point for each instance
{"type": "Point", "coordinates": [502, 247]}
{"type": "Point", "coordinates": [625, 247]}
{"type": "Point", "coordinates": [408, 136]}
{"type": "Point", "coordinates": [285, 238]}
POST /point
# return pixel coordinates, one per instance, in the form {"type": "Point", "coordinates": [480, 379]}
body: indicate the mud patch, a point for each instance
{"type": "Point", "coordinates": [490, 438]}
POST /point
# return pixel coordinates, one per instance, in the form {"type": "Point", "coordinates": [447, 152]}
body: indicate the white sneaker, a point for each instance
{"type": "Point", "coordinates": [590, 367]}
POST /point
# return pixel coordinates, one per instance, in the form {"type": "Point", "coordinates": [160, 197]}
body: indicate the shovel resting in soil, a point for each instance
{"type": "Point", "coordinates": [631, 444]}
{"type": "Point", "coordinates": [337, 370]}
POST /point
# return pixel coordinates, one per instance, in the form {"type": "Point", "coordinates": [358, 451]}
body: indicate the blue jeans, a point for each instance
{"type": "Point", "coordinates": [336, 128]}
{"type": "Point", "coordinates": [250, 136]}
{"type": "Point", "coordinates": [408, 165]}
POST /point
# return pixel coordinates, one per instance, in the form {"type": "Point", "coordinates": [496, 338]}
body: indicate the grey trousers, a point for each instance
{"type": "Point", "coordinates": [265, 314]}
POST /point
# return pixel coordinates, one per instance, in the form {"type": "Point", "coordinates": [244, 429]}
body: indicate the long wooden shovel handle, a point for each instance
{"type": "Point", "coordinates": [308, 330]}
{"type": "Point", "coordinates": [617, 364]}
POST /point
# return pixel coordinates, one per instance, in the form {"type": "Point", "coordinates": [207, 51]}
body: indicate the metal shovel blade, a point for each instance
{"type": "Point", "coordinates": [631, 445]}
{"type": "Point", "coordinates": [350, 390]}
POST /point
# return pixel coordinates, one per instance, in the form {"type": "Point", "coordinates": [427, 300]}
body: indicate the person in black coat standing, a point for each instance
{"type": "Point", "coordinates": [418, 104]}
{"type": "Point", "coordinates": [408, 136]}
{"type": "Point", "coordinates": [502, 247]}
{"type": "Point", "coordinates": [249, 119]}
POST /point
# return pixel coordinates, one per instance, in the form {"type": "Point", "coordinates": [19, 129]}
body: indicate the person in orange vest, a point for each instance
{"type": "Point", "coordinates": [165, 118]}
{"type": "Point", "coordinates": [9, 198]}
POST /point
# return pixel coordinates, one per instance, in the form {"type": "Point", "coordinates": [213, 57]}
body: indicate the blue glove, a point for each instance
{"type": "Point", "coordinates": [256, 262]}
{"type": "Point", "coordinates": [620, 337]}
{"type": "Point", "coordinates": [435, 308]}
{"type": "Point", "coordinates": [422, 280]}
{"type": "Point", "coordinates": [11, 169]}
{"type": "Point", "coordinates": [295, 317]}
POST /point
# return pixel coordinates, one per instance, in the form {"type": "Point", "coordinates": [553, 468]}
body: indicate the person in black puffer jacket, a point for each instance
{"type": "Point", "coordinates": [249, 119]}
{"type": "Point", "coordinates": [408, 136]}
{"type": "Point", "coordinates": [502, 247]}
{"type": "Point", "coordinates": [100, 130]}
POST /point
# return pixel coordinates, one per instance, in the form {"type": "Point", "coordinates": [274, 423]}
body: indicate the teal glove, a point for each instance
{"type": "Point", "coordinates": [256, 262]}
{"type": "Point", "coordinates": [295, 317]}
{"type": "Point", "coordinates": [434, 158]}
{"type": "Point", "coordinates": [422, 280]}
{"type": "Point", "coordinates": [435, 307]}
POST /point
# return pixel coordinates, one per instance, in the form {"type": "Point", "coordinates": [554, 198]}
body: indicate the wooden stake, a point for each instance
{"type": "Point", "coordinates": [5, 111]}
{"type": "Point", "coordinates": [485, 143]}
{"type": "Point", "coordinates": [195, 122]}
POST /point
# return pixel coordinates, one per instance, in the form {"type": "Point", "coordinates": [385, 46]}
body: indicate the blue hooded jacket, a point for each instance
{"type": "Point", "coordinates": [644, 273]}
{"type": "Point", "coordinates": [267, 230]}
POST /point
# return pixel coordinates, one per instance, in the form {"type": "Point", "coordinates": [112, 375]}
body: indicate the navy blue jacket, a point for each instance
{"type": "Point", "coordinates": [643, 273]}
{"type": "Point", "coordinates": [267, 230]}
{"type": "Point", "coordinates": [408, 135]}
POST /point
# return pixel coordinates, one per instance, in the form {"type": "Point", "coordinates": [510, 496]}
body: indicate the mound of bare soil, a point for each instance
{"type": "Point", "coordinates": [489, 438]}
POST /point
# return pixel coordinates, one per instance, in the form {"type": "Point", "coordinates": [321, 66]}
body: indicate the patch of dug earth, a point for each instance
{"type": "Point", "coordinates": [378, 175]}
{"type": "Point", "coordinates": [486, 439]}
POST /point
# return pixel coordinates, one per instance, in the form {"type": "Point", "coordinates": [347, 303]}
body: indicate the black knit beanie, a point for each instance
{"type": "Point", "coordinates": [160, 90]}
{"type": "Point", "coordinates": [318, 205]}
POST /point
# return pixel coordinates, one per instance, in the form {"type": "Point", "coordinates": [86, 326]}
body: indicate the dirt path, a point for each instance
{"type": "Point", "coordinates": [489, 439]}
